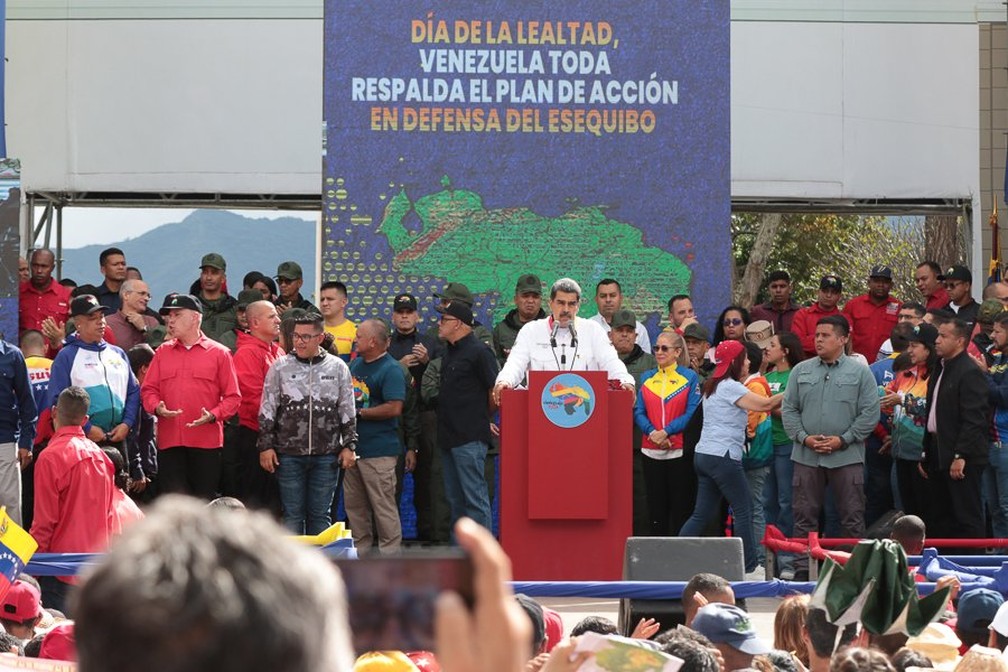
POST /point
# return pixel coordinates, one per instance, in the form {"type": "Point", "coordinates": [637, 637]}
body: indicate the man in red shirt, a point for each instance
{"type": "Point", "coordinates": [804, 323]}
{"type": "Point", "coordinates": [257, 350]}
{"type": "Point", "coordinates": [872, 316]}
{"type": "Point", "coordinates": [928, 278]}
{"type": "Point", "coordinates": [192, 388]}
{"type": "Point", "coordinates": [74, 483]}
{"type": "Point", "coordinates": [41, 298]}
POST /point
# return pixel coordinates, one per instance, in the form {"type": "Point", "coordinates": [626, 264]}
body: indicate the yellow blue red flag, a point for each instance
{"type": "Point", "coordinates": [16, 549]}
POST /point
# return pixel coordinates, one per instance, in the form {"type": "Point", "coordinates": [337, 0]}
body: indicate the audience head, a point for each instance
{"type": "Point", "coordinates": [534, 611]}
{"type": "Point", "coordinates": [597, 624]}
{"type": "Point", "coordinates": [975, 612]}
{"type": "Point", "coordinates": [789, 624]}
{"type": "Point", "coordinates": [21, 609]}
{"type": "Point", "coordinates": [211, 590]}
{"type": "Point", "coordinates": [696, 657]}
{"type": "Point", "coordinates": [729, 628]}
{"type": "Point", "coordinates": [858, 659]}
{"type": "Point", "coordinates": [59, 644]}
{"type": "Point", "coordinates": [712, 587]}
{"type": "Point", "coordinates": [821, 635]}
{"type": "Point", "coordinates": [33, 343]}
{"type": "Point", "coordinates": [998, 637]}
{"type": "Point", "coordinates": [905, 658]}
{"type": "Point", "coordinates": [72, 407]}
{"type": "Point", "coordinates": [939, 643]}
{"type": "Point", "coordinates": [982, 659]}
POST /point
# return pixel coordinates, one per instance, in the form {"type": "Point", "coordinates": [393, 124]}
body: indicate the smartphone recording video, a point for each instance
{"type": "Point", "coordinates": [391, 599]}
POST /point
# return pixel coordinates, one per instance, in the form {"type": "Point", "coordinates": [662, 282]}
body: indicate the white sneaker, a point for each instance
{"type": "Point", "coordinates": [758, 574]}
{"type": "Point", "coordinates": [787, 574]}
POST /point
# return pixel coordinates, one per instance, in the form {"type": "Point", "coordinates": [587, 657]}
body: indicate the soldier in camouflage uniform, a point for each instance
{"type": "Point", "coordinates": [308, 427]}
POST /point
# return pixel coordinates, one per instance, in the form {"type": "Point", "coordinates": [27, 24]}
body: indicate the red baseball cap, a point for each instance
{"type": "Point", "coordinates": [21, 603]}
{"type": "Point", "coordinates": [725, 354]}
{"type": "Point", "coordinates": [58, 643]}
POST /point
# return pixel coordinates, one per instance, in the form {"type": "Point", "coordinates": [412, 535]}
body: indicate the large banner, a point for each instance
{"type": "Point", "coordinates": [10, 245]}
{"type": "Point", "coordinates": [474, 142]}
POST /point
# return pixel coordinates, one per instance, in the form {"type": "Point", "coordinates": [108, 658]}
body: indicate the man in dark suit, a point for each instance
{"type": "Point", "coordinates": [957, 438]}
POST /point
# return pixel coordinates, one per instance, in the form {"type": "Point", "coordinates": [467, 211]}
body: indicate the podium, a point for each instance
{"type": "Point", "coordinates": [566, 486]}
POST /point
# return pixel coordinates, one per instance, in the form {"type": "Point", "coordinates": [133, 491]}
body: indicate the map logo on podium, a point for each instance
{"type": "Point", "coordinates": [568, 400]}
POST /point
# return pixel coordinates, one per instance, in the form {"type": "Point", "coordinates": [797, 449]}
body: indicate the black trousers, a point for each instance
{"type": "Point", "coordinates": [190, 471]}
{"type": "Point", "coordinates": [671, 490]}
{"type": "Point", "coordinates": [257, 488]}
{"type": "Point", "coordinates": [956, 508]}
{"type": "Point", "coordinates": [914, 489]}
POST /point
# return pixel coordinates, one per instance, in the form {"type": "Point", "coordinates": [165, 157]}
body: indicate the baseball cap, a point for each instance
{"type": "Point", "coordinates": [831, 282]}
{"type": "Point", "coordinates": [977, 609]}
{"type": "Point", "coordinates": [182, 302]}
{"type": "Point", "coordinates": [924, 333]}
{"type": "Point", "coordinates": [760, 332]}
{"type": "Point", "coordinates": [727, 624]}
{"type": "Point", "coordinates": [58, 643]}
{"type": "Point", "coordinates": [21, 603]}
{"type": "Point", "coordinates": [624, 318]}
{"type": "Point", "coordinates": [696, 331]}
{"type": "Point", "coordinates": [247, 296]}
{"type": "Point", "coordinates": [289, 270]}
{"type": "Point", "coordinates": [459, 310]}
{"type": "Point", "coordinates": [880, 271]}
{"type": "Point", "coordinates": [957, 273]}
{"type": "Point", "coordinates": [404, 302]}
{"type": "Point", "coordinates": [214, 260]}
{"type": "Point", "coordinates": [989, 310]}
{"type": "Point", "coordinates": [85, 304]}
{"type": "Point", "coordinates": [724, 354]}
{"type": "Point", "coordinates": [529, 282]}
{"type": "Point", "coordinates": [456, 291]}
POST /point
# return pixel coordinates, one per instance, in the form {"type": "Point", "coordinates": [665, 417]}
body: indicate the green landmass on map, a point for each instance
{"type": "Point", "coordinates": [462, 241]}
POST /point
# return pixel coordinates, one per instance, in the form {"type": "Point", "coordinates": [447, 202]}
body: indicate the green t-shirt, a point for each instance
{"type": "Point", "coordinates": [778, 381]}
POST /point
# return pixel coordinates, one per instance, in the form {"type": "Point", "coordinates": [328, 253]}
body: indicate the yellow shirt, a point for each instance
{"type": "Point", "coordinates": [344, 336]}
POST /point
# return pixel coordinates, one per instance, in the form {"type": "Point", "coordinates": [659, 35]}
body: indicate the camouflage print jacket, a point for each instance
{"type": "Point", "coordinates": [308, 406]}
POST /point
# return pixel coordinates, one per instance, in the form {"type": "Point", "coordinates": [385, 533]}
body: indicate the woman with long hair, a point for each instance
{"type": "Point", "coordinates": [905, 399]}
{"type": "Point", "coordinates": [731, 324]}
{"type": "Point", "coordinates": [718, 459]}
{"type": "Point", "coordinates": [668, 397]}
{"type": "Point", "coordinates": [781, 354]}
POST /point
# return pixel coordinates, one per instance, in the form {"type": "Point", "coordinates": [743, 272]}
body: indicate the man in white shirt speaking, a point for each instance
{"type": "Point", "coordinates": [562, 342]}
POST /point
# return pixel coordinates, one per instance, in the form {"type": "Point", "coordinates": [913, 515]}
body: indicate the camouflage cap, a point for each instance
{"type": "Point", "coordinates": [696, 331]}
{"type": "Point", "coordinates": [624, 318]}
{"type": "Point", "coordinates": [456, 291]}
{"type": "Point", "coordinates": [289, 270]}
{"type": "Point", "coordinates": [529, 283]}
{"type": "Point", "coordinates": [989, 310]}
{"type": "Point", "coordinates": [213, 260]}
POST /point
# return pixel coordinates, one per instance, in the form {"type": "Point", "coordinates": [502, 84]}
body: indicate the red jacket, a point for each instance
{"type": "Point", "coordinates": [804, 323]}
{"type": "Point", "coordinates": [74, 483]}
{"type": "Point", "coordinates": [871, 323]}
{"type": "Point", "coordinates": [191, 379]}
{"type": "Point", "coordinates": [252, 360]}
{"type": "Point", "coordinates": [939, 299]}
{"type": "Point", "coordinates": [35, 306]}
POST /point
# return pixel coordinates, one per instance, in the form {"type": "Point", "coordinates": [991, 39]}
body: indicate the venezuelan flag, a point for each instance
{"type": "Point", "coordinates": [16, 549]}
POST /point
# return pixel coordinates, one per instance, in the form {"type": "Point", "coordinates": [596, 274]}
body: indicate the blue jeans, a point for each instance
{"type": "Point", "coordinates": [465, 483]}
{"type": "Point", "coordinates": [307, 485]}
{"type": "Point", "coordinates": [719, 476]}
{"type": "Point", "coordinates": [777, 497]}
{"type": "Point", "coordinates": [995, 488]}
{"type": "Point", "coordinates": [757, 479]}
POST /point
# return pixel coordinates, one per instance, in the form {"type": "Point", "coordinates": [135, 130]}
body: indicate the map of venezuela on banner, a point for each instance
{"type": "Point", "coordinates": [474, 142]}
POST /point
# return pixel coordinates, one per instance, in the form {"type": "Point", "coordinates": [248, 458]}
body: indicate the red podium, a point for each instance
{"type": "Point", "coordinates": [566, 477]}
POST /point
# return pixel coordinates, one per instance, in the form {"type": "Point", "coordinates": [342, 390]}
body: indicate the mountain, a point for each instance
{"type": "Point", "coordinates": [169, 255]}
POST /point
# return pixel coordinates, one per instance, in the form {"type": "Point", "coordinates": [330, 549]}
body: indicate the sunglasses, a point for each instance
{"type": "Point", "coordinates": [664, 348]}
{"type": "Point", "coordinates": [732, 322]}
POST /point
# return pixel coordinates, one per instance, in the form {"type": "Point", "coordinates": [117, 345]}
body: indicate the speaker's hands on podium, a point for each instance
{"type": "Point", "coordinates": [501, 385]}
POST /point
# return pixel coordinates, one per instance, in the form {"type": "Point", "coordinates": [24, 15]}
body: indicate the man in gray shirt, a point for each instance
{"type": "Point", "coordinates": [831, 404]}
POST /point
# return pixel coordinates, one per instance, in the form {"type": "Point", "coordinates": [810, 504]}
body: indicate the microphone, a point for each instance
{"type": "Point", "coordinates": [573, 333]}
{"type": "Point", "coordinates": [553, 335]}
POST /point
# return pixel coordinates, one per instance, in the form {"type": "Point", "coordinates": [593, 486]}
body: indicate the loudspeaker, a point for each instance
{"type": "Point", "coordinates": [674, 559]}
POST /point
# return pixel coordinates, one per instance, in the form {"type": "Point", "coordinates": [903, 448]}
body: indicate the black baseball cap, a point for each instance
{"type": "Point", "coordinates": [880, 271]}
{"type": "Point", "coordinates": [181, 302]}
{"type": "Point", "coordinates": [459, 310]}
{"type": "Point", "coordinates": [958, 273]}
{"type": "Point", "coordinates": [831, 282]}
{"type": "Point", "coordinates": [86, 304]}
{"type": "Point", "coordinates": [404, 302]}
{"type": "Point", "coordinates": [924, 333]}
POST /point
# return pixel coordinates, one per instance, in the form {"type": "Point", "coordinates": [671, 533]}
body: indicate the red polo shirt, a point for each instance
{"type": "Point", "coordinates": [804, 323]}
{"type": "Point", "coordinates": [871, 323]}
{"type": "Point", "coordinates": [191, 379]}
{"type": "Point", "coordinates": [34, 305]}
{"type": "Point", "coordinates": [939, 299]}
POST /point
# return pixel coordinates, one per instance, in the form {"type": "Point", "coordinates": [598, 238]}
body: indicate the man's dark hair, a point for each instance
{"type": "Point", "coordinates": [33, 646]}
{"type": "Point", "coordinates": [823, 634]}
{"type": "Point", "coordinates": [118, 465]}
{"type": "Point", "coordinates": [781, 274]}
{"type": "Point", "coordinates": [597, 624]}
{"type": "Point", "coordinates": [72, 405]}
{"type": "Point", "coordinates": [677, 297]}
{"type": "Point", "coordinates": [838, 322]}
{"type": "Point", "coordinates": [310, 317]}
{"type": "Point", "coordinates": [859, 659]}
{"type": "Point", "coordinates": [961, 329]}
{"type": "Point", "coordinates": [108, 252]}
{"type": "Point", "coordinates": [933, 265]}
{"type": "Point", "coordinates": [1002, 640]}
{"type": "Point", "coordinates": [251, 278]}
{"type": "Point", "coordinates": [755, 354]}
{"type": "Point", "coordinates": [209, 590]}
{"type": "Point", "coordinates": [905, 658]}
{"type": "Point", "coordinates": [333, 284]}
{"type": "Point", "coordinates": [908, 528]}
{"type": "Point", "coordinates": [940, 316]}
{"type": "Point", "coordinates": [38, 337]}
{"type": "Point", "coordinates": [900, 336]}
{"type": "Point", "coordinates": [696, 657]}
{"type": "Point", "coordinates": [535, 613]}
{"type": "Point", "coordinates": [139, 356]}
{"type": "Point", "coordinates": [68, 282]}
{"type": "Point", "coordinates": [608, 281]}
{"type": "Point", "coordinates": [135, 270]}
{"type": "Point", "coordinates": [81, 290]}
{"type": "Point", "coordinates": [782, 661]}
{"type": "Point", "coordinates": [918, 309]}
{"type": "Point", "coordinates": [706, 584]}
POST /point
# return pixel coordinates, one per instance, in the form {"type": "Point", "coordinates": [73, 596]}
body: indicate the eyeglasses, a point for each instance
{"type": "Point", "coordinates": [952, 285]}
{"type": "Point", "coordinates": [665, 348]}
{"type": "Point", "coordinates": [732, 322]}
{"type": "Point", "coordinates": [285, 281]}
{"type": "Point", "coordinates": [304, 337]}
